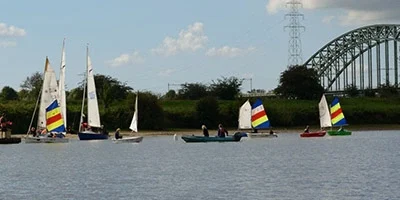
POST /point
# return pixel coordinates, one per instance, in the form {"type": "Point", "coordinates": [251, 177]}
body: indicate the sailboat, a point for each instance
{"type": "Point", "coordinates": [324, 119]}
{"type": "Point", "coordinates": [93, 116]}
{"type": "Point", "coordinates": [254, 118]}
{"type": "Point", "coordinates": [133, 127]}
{"type": "Point", "coordinates": [338, 119]}
{"type": "Point", "coordinates": [48, 95]}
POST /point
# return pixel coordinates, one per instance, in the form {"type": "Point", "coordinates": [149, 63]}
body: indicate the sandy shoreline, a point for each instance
{"type": "Point", "coordinates": [292, 130]}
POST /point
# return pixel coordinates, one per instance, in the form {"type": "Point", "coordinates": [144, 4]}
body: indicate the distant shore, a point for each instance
{"type": "Point", "coordinates": [279, 130]}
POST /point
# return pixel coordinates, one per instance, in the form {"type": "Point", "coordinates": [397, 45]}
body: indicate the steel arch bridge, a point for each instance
{"type": "Point", "coordinates": [366, 57]}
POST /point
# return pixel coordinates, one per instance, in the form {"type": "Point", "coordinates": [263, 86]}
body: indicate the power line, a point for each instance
{"type": "Point", "coordinates": [295, 54]}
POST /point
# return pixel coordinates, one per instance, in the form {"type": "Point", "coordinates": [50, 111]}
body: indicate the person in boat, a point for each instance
{"type": "Point", "coordinates": [85, 126]}
{"type": "Point", "coordinates": [33, 131]}
{"type": "Point", "coordinates": [205, 131]}
{"type": "Point", "coordinates": [307, 129]}
{"type": "Point", "coordinates": [117, 134]}
{"type": "Point", "coordinates": [271, 132]}
{"type": "Point", "coordinates": [222, 132]}
{"type": "Point", "coordinates": [3, 125]}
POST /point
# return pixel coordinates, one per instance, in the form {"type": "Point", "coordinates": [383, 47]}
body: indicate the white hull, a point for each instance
{"type": "Point", "coordinates": [45, 140]}
{"type": "Point", "coordinates": [135, 139]}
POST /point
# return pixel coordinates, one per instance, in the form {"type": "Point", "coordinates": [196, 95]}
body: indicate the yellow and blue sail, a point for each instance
{"type": "Point", "coordinates": [337, 116]}
{"type": "Point", "coordinates": [54, 120]}
{"type": "Point", "coordinates": [259, 119]}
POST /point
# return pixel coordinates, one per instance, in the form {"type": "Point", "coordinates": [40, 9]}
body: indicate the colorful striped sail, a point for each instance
{"type": "Point", "coordinates": [259, 119]}
{"type": "Point", "coordinates": [54, 120]}
{"type": "Point", "coordinates": [337, 115]}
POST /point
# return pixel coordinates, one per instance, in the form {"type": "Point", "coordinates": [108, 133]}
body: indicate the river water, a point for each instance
{"type": "Point", "coordinates": [362, 166]}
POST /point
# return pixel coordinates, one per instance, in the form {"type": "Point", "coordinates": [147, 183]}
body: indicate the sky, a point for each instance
{"type": "Point", "coordinates": [152, 44]}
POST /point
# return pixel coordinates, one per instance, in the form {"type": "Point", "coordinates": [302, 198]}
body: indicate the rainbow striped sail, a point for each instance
{"type": "Point", "coordinates": [54, 120]}
{"type": "Point", "coordinates": [337, 115]}
{"type": "Point", "coordinates": [259, 119]}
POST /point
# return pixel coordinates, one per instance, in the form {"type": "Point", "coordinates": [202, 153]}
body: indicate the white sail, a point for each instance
{"type": "Point", "coordinates": [324, 114]}
{"type": "Point", "coordinates": [93, 107]}
{"type": "Point", "coordinates": [49, 93]}
{"type": "Point", "coordinates": [61, 88]}
{"type": "Point", "coordinates": [245, 116]}
{"type": "Point", "coordinates": [134, 123]}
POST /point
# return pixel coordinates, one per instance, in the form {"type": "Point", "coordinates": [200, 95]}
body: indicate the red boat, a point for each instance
{"type": "Point", "coordinates": [313, 134]}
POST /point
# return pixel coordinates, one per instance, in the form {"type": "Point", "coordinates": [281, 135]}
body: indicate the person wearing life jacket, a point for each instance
{"type": "Point", "coordinates": [222, 132]}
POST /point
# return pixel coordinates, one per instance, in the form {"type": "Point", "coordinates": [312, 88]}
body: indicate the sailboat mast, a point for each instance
{"type": "Point", "coordinates": [84, 88]}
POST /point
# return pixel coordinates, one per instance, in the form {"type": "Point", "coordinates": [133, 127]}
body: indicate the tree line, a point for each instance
{"type": "Point", "coordinates": [191, 105]}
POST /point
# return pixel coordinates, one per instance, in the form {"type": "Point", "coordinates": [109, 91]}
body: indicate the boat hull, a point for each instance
{"type": "Point", "coordinates": [136, 139]}
{"type": "Point", "coordinates": [313, 134]}
{"type": "Point", "coordinates": [87, 135]}
{"type": "Point", "coordinates": [36, 140]}
{"type": "Point", "coordinates": [193, 138]}
{"type": "Point", "coordinates": [10, 140]}
{"type": "Point", "coordinates": [339, 133]}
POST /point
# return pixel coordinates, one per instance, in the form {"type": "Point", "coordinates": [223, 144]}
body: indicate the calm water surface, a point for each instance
{"type": "Point", "coordinates": [362, 166]}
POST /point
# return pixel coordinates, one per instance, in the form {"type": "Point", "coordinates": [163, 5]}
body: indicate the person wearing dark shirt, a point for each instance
{"type": "Point", "coordinates": [117, 134]}
{"type": "Point", "coordinates": [205, 131]}
{"type": "Point", "coordinates": [222, 132]}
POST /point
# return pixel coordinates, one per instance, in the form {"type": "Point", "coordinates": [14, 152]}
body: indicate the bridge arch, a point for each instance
{"type": "Point", "coordinates": [341, 62]}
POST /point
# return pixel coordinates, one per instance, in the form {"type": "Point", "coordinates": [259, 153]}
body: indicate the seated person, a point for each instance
{"type": "Point", "coordinates": [33, 131]}
{"type": "Point", "coordinates": [307, 129]}
{"type": "Point", "coordinates": [222, 132]}
{"type": "Point", "coordinates": [117, 134]}
{"type": "Point", "coordinates": [205, 131]}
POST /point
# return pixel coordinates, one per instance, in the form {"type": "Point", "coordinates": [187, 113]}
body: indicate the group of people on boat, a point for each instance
{"type": "Point", "coordinates": [222, 132]}
{"type": "Point", "coordinates": [44, 132]}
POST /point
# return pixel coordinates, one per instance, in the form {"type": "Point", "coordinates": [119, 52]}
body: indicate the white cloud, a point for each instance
{"type": "Point", "coordinates": [6, 44]}
{"type": "Point", "coordinates": [227, 51]}
{"type": "Point", "coordinates": [191, 39]}
{"type": "Point", "coordinates": [367, 12]}
{"type": "Point", "coordinates": [11, 31]}
{"type": "Point", "coordinates": [125, 59]}
{"type": "Point", "coordinates": [166, 72]}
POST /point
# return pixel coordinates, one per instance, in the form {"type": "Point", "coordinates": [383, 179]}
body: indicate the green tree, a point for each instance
{"type": "Point", "coordinates": [207, 110]}
{"type": "Point", "coordinates": [192, 91]}
{"type": "Point", "coordinates": [75, 94]}
{"type": "Point", "coordinates": [351, 90]}
{"type": "Point", "coordinates": [369, 92]}
{"type": "Point", "coordinates": [32, 85]}
{"type": "Point", "coordinates": [8, 93]}
{"type": "Point", "coordinates": [171, 94]}
{"type": "Point", "coordinates": [226, 88]}
{"type": "Point", "coordinates": [108, 89]}
{"type": "Point", "coordinates": [299, 82]}
{"type": "Point", "coordinates": [387, 90]}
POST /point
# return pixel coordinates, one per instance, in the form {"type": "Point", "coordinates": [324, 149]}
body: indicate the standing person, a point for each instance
{"type": "Point", "coordinates": [205, 131]}
{"type": "Point", "coordinates": [3, 125]}
{"type": "Point", "coordinates": [117, 135]}
{"type": "Point", "coordinates": [222, 132]}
